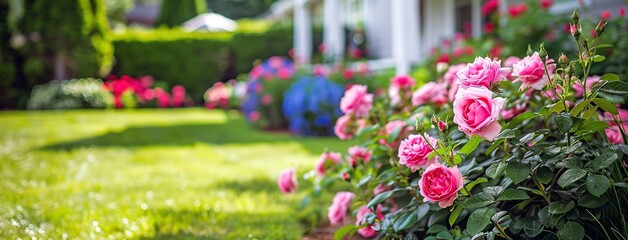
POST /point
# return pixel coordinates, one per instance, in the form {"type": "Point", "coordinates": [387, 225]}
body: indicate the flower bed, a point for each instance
{"type": "Point", "coordinates": [531, 147]}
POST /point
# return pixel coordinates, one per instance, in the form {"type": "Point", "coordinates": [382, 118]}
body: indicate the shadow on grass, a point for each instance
{"type": "Point", "coordinates": [234, 131]}
{"type": "Point", "coordinates": [256, 185]}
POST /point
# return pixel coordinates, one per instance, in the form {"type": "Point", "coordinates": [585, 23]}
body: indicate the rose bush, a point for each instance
{"type": "Point", "coordinates": [520, 153]}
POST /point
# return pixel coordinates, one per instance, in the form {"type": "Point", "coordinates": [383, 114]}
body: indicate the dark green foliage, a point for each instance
{"type": "Point", "coordinates": [69, 94]}
{"type": "Point", "coordinates": [175, 12]}
{"type": "Point", "coordinates": [75, 32]}
{"type": "Point", "coordinates": [194, 60]}
{"type": "Point", "coordinates": [239, 9]}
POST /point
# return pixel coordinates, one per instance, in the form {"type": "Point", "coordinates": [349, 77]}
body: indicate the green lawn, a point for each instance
{"type": "Point", "coordinates": [176, 173]}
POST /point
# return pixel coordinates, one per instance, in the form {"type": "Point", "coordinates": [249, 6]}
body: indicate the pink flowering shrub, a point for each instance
{"type": "Point", "coordinates": [529, 148]}
{"type": "Point", "coordinates": [224, 95]}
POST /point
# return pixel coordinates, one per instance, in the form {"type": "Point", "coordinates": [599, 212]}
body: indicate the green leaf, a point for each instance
{"type": "Point", "coordinates": [422, 211]}
{"type": "Point", "coordinates": [513, 194]}
{"type": "Point", "coordinates": [472, 184]}
{"type": "Point", "coordinates": [615, 87]}
{"type": "Point", "coordinates": [579, 107]}
{"type": "Point", "coordinates": [393, 135]}
{"type": "Point", "coordinates": [560, 207]}
{"type": "Point", "coordinates": [507, 133]}
{"type": "Point", "coordinates": [517, 171]}
{"type": "Point", "coordinates": [597, 184]}
{"type": "Point", "coordinates": [564, 122]}
{"type": "Point", "coordinates": [544, 174]}
{"type": "Point", "coordinates": [606, 105]}
{"type": "Point", "coordinates": [610, 77]}
{"type": "Point", "coordinates": [598, 58]}
{"type": "Point", "coordinates": [571, 176]}
{"type": "Point", "coordinates": [444, 235]}
{"type": "Point", "coordinates": [571, 231]}
{"type": "Point", "coordinates": [454, 215]}
{"type": "Point", "coordinates": [592, 126]}
{"type": "Point", "coordinates": [479, 219]}
{"type": "Point", "coordinates": [366, 130]}
{"type": "Point", "coordinates": [436, 228]}
{"type": "Point", "coordinates": [405, 221]}
{"type": "Point", "coordinates": [590, 201]}
{"type": "Point", "coordinates": [603, 45]}
{"type": "Point", "coordinates": [379, 198]}
{"type": "Point", "coordinates": [556, 107]}
{"type": "Point", "coordinates": [471, 144]}
{"type": "Point", "coordinates": [457, 159]}
{"type": "Point", "coordinates": [603, 161]}
{"type": "Point", "coordinates": [478, 200]}
{"type": "Point", "coordinates": [345, 230]}
{"type": "Point", "coordinates": [496, 169]}
{"type": "Point", "coordinates": [495, 144]}
{"type": "Point", "coordinates": [522, 117]}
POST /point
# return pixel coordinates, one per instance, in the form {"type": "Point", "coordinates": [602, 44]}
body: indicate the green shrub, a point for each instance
{"type": "Point", "coordinates": [175, 12]}
{"type": "Point", "coordinates": [192, 59]}
{"type": "Point", "coordinates": [69, 94]}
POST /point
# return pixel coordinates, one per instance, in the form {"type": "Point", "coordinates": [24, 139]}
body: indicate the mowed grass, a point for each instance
{"type": "Point", "coordinates": [143, 174]}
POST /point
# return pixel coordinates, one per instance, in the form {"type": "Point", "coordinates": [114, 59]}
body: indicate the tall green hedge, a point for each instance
{"type": "Point", "coordinates": [193, 60]}
{"type": "Point", "coordinates": [175, 12]}
{"type": "Point", "coordinates": [75, 31]}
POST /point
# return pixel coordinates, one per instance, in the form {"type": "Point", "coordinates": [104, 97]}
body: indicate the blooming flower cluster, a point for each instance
{"type": "Point", "coordinates": [311, 105]}
{"type": "Point", "coordinates": [130, 92]}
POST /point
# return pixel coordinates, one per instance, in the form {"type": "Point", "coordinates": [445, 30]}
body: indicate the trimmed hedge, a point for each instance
{"type": "Point", "coordinates": [197, 60]}
{"type": "Point", "coordinates": [194, 60]}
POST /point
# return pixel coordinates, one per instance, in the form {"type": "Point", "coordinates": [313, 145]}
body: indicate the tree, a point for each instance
{"type": "Point", "coordinates": [175, 12]}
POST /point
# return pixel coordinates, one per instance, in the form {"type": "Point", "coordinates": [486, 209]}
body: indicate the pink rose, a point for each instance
{"type": "Point", "coordinates": [337, 212]}
{"type": "Point", "coordinates": [482, 72]}
{"type": "Point", "coordinates": [476, 112]}
{"type": "Point", "coordinates": [382, 187]}
{"type": "Point", "coordinates": [531, 72]}
{"type": "Point", "coordinates": [253, 116]}
{"type": "Point", "coordinates": [430, 92]}
{"type": "Point", "coordinates": [402, 82]}
{"type": "Point", "coordinates": [414, 151]}
{"type": "Point", "coordinates": [510, 61]}
{"type": "Point", "coordinates": [324, 159]}
{"type": "Point", "coordinates": [345, 128]}
{"type": "Point", "coordinates": [440, 184]}
{"type": "Point", "coordinates": [266, 99]}
{"type": "Point", "coordinates": [513, 112]}
{"type": "Point", "coordinates": [451, 76]}
{"type": "Point", "coordinates": [284, 73]}
{"type": "Point", "coordinates": [614, 134]}
{"type": "Point", "coordinates": [358, 153]}
{"type": "Point", "coordinates": [356, 101]}
{"type": "Point", "coordinates": [287, 181]}
{"type": "Point", "coordinates": [391, 127]}
{"type": "Point", "coordinates": [577, 86]}
{"type": "Point", "coordinates": [368, 231]}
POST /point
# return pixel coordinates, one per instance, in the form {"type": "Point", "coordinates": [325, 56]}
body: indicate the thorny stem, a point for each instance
{"type": "Point", "coordinates": [501, 231]}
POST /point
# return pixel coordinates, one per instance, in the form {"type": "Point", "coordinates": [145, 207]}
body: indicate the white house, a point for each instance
{"type": "Point", "coordinates": [399, 33]}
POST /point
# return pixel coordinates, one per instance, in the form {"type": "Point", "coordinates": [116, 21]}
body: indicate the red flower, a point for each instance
{"type": "Point", "coordinates": [606, 14]}
{"type": "Point", "coordinates": [489, 27]}
{"type": "Point", "coordinates": [545, 4]}
{"type": "Point", "coordinates": [517, 10]}
{"type": "Point", "coordinates": [348, 74]}
{"type": "Point", "coordinates": [489, 7]}
{"type": "Point", "coordinates": [443, 58]}
{"type": "Point", "coordinates": [622, 11]}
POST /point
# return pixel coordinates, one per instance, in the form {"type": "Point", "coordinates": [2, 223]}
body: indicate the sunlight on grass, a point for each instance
{"type": "Point", "coordinates": [180, 173]}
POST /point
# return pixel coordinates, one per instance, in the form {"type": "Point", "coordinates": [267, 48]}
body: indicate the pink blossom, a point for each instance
{"type": "Point", "coordinates": [391, 127]}
{"type": "Point", "coordinates": [614, 134]}
{"type": "Point", "coordinates": [178, 95]}
{"type": "Point", "coordinates": [545, 4]}
{"type": "Point", "coordinates": [606, 14]}
{"type": "Point", "coordinates": [489, 7]}
{"type": "Point", "coordinates": [622, 11]}
{"type": "Point", "coordinates": [402, 82]}
{"type": "Point", "coordinates": [510, 61]}
{"type": "Point", "coordinates": [531, 72]}
{"type": "Point", "coordinates": [266, 99]}
{"type": "Point", "coordinates": [324, 159]}
{"type": "Point", "coordinates": [368, 231]}
{"type": "Point", "coordinates": [414, 151]}
{"type": "Point", "coordinates": [337, 212]}
{"type": "Point", "coordinates": [163, 98]}
{"type": "Point", "coordinates": [430, 92]}
{"type": "Point", "coordinates": [440, 184]}
{"type": "Point", "coordinates": [476, 112]}
{"type": "Point", "coordinates": [358, 153]}
{"type": "Point", "coordinates": [517, 10]}
{"type": "Point", "coordinates": [482, 72]}
{"type": "Point", "coordinates": [345, 128]}
{"type": "Point", "coordinates": [284, 73]}
{"type": "Point", "coordinates": [356, 101]}
{"type": "Point", "coordinates": [254, 116]}
{"type": "Point", "coordinates": [577, 86]}
{"type": "Point", "coordinates": [287, 181]}
{"type": "Point", "coordinates": [451, 79]}
{"type": "Point", "coordinates": [347, 74]}
{"type": "Point", "coordinates": [382, 187]}
{"type": "Point", "coordinates": [345, 176]}
{"type": "Point", "coordinates": [519, 108]}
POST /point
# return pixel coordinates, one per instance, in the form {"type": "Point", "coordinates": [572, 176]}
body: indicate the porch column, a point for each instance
{"type": "Point", "coordinates": [450, 18]}
{"type": "Point", "coordinates": [399, 41]}
{"type": "Point", "coordinates": [302, 32]}
{"type": "Point", "coordinates": [333, 32]}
